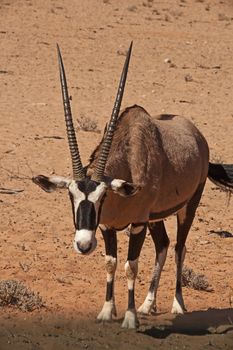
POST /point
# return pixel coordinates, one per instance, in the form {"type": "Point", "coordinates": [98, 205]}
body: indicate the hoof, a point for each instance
{"type": "Point", "coordinates": [178, 306]}
{"type": "Point", "coordinates": [130, 320]}
{"type": "Point", "coordinates": [107, 312]}
{"type": "Point", "coordinates": [147, 308]}
{"type": "Point", "coordinates": [149, 305]}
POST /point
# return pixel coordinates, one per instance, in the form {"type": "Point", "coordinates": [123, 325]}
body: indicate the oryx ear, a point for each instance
{"type": "Point", "coordinates": [124, 188]}
{"type": "Point", "coordinates": [52, 183]}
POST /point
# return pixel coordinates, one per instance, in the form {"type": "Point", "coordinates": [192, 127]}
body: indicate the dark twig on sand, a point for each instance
{"type": "Point", "coordinates": [9, 191]}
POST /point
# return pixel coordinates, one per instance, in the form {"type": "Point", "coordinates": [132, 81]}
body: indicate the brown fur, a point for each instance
{"type": "Point", "coordinates": [165, 155]}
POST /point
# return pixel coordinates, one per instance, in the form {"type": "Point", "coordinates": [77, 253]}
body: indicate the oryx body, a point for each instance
{"type": "Point", "coordinates": [145, 169]}
{"type": "Point", "coordinates": [165, 156]}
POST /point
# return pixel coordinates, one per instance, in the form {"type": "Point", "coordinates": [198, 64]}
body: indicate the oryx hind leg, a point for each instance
{"type": "Point", "coordinates": [110, 240]}
{"type": "Point", "coordinates": [185, 218]}
{"type": "Point", "coordinates": [161, 242]}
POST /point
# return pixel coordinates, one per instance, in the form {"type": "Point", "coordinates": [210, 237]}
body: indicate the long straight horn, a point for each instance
{"type": "Point", "coordinates": [99, 170]}
{"type": "Point", "coordinates": [78, 171]}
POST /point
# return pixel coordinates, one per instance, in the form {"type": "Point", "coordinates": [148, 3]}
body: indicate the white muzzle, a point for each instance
{"type": "Point", "coordinates": [85, 242]}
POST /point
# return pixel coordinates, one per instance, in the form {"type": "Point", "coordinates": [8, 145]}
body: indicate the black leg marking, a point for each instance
{"type": "Point", "coordinates": [109, 291]}
{"type": "Point", "coordinates": [110, 241]}
{"type": "Point", "coordinates": [131, 301]}
{"type": "Point", "coordinates": [136, 241]}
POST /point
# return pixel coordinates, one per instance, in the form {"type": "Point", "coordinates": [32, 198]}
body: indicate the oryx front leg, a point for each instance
{"type": "Point", "coordinates": [161, 242]}
{"type": "Point", "coordinates": [136, 239]}
{"type": "Point", "coordinates": [109, 308]}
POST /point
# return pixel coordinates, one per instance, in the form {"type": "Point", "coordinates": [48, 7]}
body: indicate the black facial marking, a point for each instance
{"type": "Point", "coordinates": [87, 186]}
{"type": "Point", "coordinates": [86, 216]}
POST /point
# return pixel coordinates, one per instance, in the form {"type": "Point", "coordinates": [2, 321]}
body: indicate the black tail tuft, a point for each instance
{"type": "Point", "coordinates": [221, 175]}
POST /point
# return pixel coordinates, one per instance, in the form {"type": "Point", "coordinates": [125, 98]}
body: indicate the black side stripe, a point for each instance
{"type": "Point", "coordinates": [72, 205]}
{"type": "Point", "coordinates": [163, 214]}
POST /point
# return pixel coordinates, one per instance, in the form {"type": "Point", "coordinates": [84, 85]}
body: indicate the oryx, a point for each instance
{"type": "Point", "coordinates": [144, 170]}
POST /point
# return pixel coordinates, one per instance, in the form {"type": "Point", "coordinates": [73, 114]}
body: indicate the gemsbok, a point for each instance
{"type": "Point", "coordinates": [144, 170]}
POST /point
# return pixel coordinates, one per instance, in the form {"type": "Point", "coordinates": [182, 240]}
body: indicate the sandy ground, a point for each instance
{"type": "Point", "coordinates": [182, 63]}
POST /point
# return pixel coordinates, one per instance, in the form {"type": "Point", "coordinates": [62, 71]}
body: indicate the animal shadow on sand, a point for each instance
{"type": "Point", "coordinates": [211, 321]}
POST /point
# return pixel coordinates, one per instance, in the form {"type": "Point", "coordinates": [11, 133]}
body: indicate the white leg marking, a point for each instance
{"type": "Point", "coordinates": [178, 302]}
{"type": "Point", "coordinates": [108, 310]}
{"type": "Point", "coordinates": [150, 300]}
{"type": "Point", "coordinates": [131, 270]}
{"type": "Point", "coordinates": [130, 320]}
{"type": "Point", "coordinates": [148, 304]}
{"type": "Point", "coordinates": [110, 264]}
{"type": "Point", "coordinates": [178, 305]}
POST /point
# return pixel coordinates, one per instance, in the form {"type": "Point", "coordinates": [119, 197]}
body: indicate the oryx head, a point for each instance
{"type": "Point", "coordinates": [87, 193]}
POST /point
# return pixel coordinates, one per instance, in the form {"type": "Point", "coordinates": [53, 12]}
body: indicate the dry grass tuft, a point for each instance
{"type": "Point", "coordinates": [195, 280]}
{"type": "Point", "coordinates": [15, 293]}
